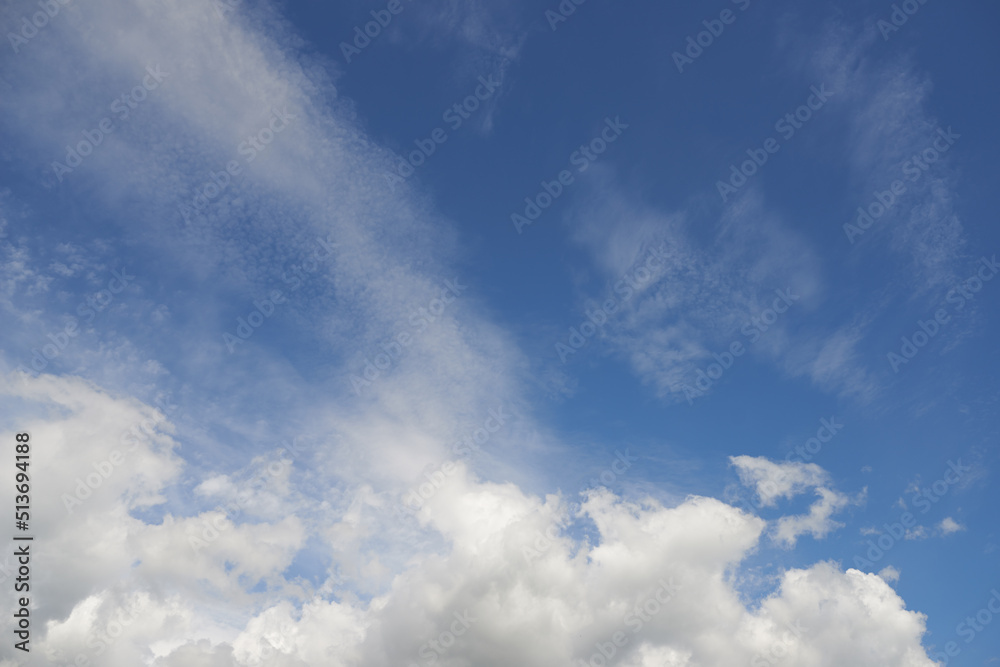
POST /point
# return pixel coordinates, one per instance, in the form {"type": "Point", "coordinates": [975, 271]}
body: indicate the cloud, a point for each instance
{"type": "Point", "coordinates": [708, 294]}
{"type": "Point", "coordinates": [712, 290]}
{"type": "Point", "coordinates": [949, 526]}
{"type": "Point", "coordinates": [187, 552]}
{"type": "Point", "coordinates": [487, 30]}
{"type": "Point", "coordinates": [654, 574]}
{"type": "Point", "coordinates": [818, 522]}
{"type": "Point", "coordinates": [890, 123]}
{"type": "Point", "coordinates": [505, 561]}
{"type": "Point", "coordinates": [772, 481]}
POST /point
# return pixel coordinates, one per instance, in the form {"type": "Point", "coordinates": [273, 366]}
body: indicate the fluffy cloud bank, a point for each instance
{"type": "Point", "coordinates": [512, 579]}
{"type": "Point", "coordinates": [143, 557]}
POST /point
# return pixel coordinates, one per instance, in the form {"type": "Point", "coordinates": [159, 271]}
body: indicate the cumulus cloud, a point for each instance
{"type": "Point", "coordinates": [191, 560]}
{"type": "Point", "coordinates": [949, 526]}
{"type": "Point", "coordinates": [772, 481]}
{"type": "Point", "coordinates": [818, 522]}
{"type": "Point", "coordinates": [510, 580]}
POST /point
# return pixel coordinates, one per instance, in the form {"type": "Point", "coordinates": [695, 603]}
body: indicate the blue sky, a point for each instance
{"type": "Point", "coordinates": [700, 293]}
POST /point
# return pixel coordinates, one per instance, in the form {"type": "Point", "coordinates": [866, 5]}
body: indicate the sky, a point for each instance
{"type": "Point", "coordinates": [438, 333]}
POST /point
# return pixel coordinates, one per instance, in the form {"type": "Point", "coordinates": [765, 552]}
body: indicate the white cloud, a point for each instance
{"type": "Point", "coordinates": [772, 481]}
{"type": "Point", "coordinates": [891, 121]}
{"type": "Point", "coordinates": [698, 307]}
{"type": "Point", "coordinates": [709, 293]}
{"type": "Point", "coordinates": [818, 522]}
{"type": "Point", "coordinates": [778, 480]}
{"type": "Point", "coordinates": [531, 593]}
{"type": "Point", "coordinates": [131, 544]}
{"type": "Point", "coordinates": [949, 526]}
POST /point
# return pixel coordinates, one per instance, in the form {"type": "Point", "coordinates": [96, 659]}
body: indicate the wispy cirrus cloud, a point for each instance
{"type": "Point", "coordinates": [244, 596]}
